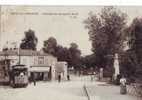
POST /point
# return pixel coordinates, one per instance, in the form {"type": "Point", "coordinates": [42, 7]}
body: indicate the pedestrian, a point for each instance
{"type": "Point", "coordinates": [123, 88]}
{"type": "Point", "coordinates": [68, 77]}
{"type": "Point", "coordinates": [34, 78]}
{"type": "Point", "coordinates": [118, 79]}
{"type": "Point", "coordinates": [59, 78]}
{"type": "Point", "coordinates": [92, 77]}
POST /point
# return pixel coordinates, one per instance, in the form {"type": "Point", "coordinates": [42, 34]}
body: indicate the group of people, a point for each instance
{"type": "Point", "coordinates": [33, 78]}
{"type": "Point", "coordinates": [59, 77]}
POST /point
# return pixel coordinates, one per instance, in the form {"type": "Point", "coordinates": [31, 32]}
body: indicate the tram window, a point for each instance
{"type": "Point", "coordinates": [16, 73]}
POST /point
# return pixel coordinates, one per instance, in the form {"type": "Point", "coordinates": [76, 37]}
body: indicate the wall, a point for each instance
{"type": "Point", "coordinates": [61, 68]}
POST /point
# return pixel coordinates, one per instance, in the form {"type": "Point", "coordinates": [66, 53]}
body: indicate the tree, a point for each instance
{"type": "Point", "coordinates": [71, 55]}
{"type": "Point", "coordinates": [127, 61]}
{"type": "Point", "coordinates": [106, 31]}
{"type": "Point", "coordinates": [62, 53]}
{"type": "Point", "coordinates": [135, 43]}
{"type": "Point", "coordinates": [30, 40]}
{"type": "Point", "coordinates": [75, 56]}
{"type": "Point", "coordinates": [50, 46]}
{"type": "Point", "coordinates": [89, 61]}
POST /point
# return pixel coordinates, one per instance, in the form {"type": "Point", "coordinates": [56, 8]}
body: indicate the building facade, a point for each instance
{"type": "Point", "coordinates": [42, 64]}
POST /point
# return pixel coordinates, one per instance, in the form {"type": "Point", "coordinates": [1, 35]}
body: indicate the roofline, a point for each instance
{"type": "Point", "coordinates": [24, 53]}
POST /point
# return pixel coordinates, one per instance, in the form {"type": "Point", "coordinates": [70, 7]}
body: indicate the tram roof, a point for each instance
{"type": "Point", "coordinates": [19, 66]}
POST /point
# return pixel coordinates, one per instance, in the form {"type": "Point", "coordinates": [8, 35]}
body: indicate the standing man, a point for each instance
{"type": "Point", "coordinates": [68, 77]}
{"type": "Point", "coordinates": [33, 78]}
{"type": "Point", "coordinates": [59, 77]}
{"type": "Point", "coordinates": [92, 76]}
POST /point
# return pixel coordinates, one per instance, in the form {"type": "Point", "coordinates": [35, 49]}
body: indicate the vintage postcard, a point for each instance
{"type": "Point", "coordinates": [70, 52]}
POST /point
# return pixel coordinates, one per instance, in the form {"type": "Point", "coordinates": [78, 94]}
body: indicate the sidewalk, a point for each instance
{"type": "Point", "coordinates": [103, 91]}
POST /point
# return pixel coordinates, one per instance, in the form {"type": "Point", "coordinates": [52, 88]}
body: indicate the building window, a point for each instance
{"type": "Point", "coordinates": [24, 61]}
{"type": "Point", "coordinates": [40, 60]}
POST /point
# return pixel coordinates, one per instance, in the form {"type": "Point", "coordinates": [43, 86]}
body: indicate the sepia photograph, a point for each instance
{"type": "Point", "coordinates": [70, 52]}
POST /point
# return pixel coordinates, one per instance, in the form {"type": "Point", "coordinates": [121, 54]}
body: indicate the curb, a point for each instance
{"type": "Point", "coordinates": [87, 93]}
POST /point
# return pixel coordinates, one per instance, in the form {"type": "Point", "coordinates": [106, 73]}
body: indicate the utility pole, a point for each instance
{"type": "Point", "coordinates": [19, 56]}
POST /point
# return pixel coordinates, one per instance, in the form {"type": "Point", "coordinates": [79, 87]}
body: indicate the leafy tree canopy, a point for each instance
{"type": "Point", "coordinates": [106, 31]}
{"type": "Point", "coordinates": [30, 40]}
{"type": "Point", "coordinates": [50, 46]}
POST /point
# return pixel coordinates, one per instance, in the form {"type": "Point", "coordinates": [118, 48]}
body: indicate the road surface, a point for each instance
{"type": "Point", "coordinates": [67, 90]}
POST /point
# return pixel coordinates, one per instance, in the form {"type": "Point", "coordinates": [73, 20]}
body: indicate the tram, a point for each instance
{"type": "Point", "coordinates": [19, 76]}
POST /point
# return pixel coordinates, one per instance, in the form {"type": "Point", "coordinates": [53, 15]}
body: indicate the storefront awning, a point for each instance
{"type": "Point", "coordinates": [39, 69]}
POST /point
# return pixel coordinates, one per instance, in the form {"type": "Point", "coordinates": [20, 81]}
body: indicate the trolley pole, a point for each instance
{"type": "Point", "coordinates": [19, 55]}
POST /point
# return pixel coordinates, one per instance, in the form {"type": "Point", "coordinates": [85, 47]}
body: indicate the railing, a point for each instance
{"type": "Point", "coordinates": [135, 89]}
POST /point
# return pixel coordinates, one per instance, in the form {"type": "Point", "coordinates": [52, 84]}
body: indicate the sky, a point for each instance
{"type": "Point", "coordinates": [65, 23]}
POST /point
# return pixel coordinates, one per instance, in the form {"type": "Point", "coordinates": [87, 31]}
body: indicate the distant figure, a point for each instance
{"type": "Point", "coordinates": [92, 77]}
{"type": "Point", "coordinates": [33, 78]}
{"type": "Point", "coordinates": [68, 77]}
{"type": "Point", "coordinates": [79, 73]}
{"type": "Point", "coordinates": [118, 79]}
{"type": "Point", "coordinates": [59, 78]}
{"type": "Point", "coordinates": [123, 89]}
